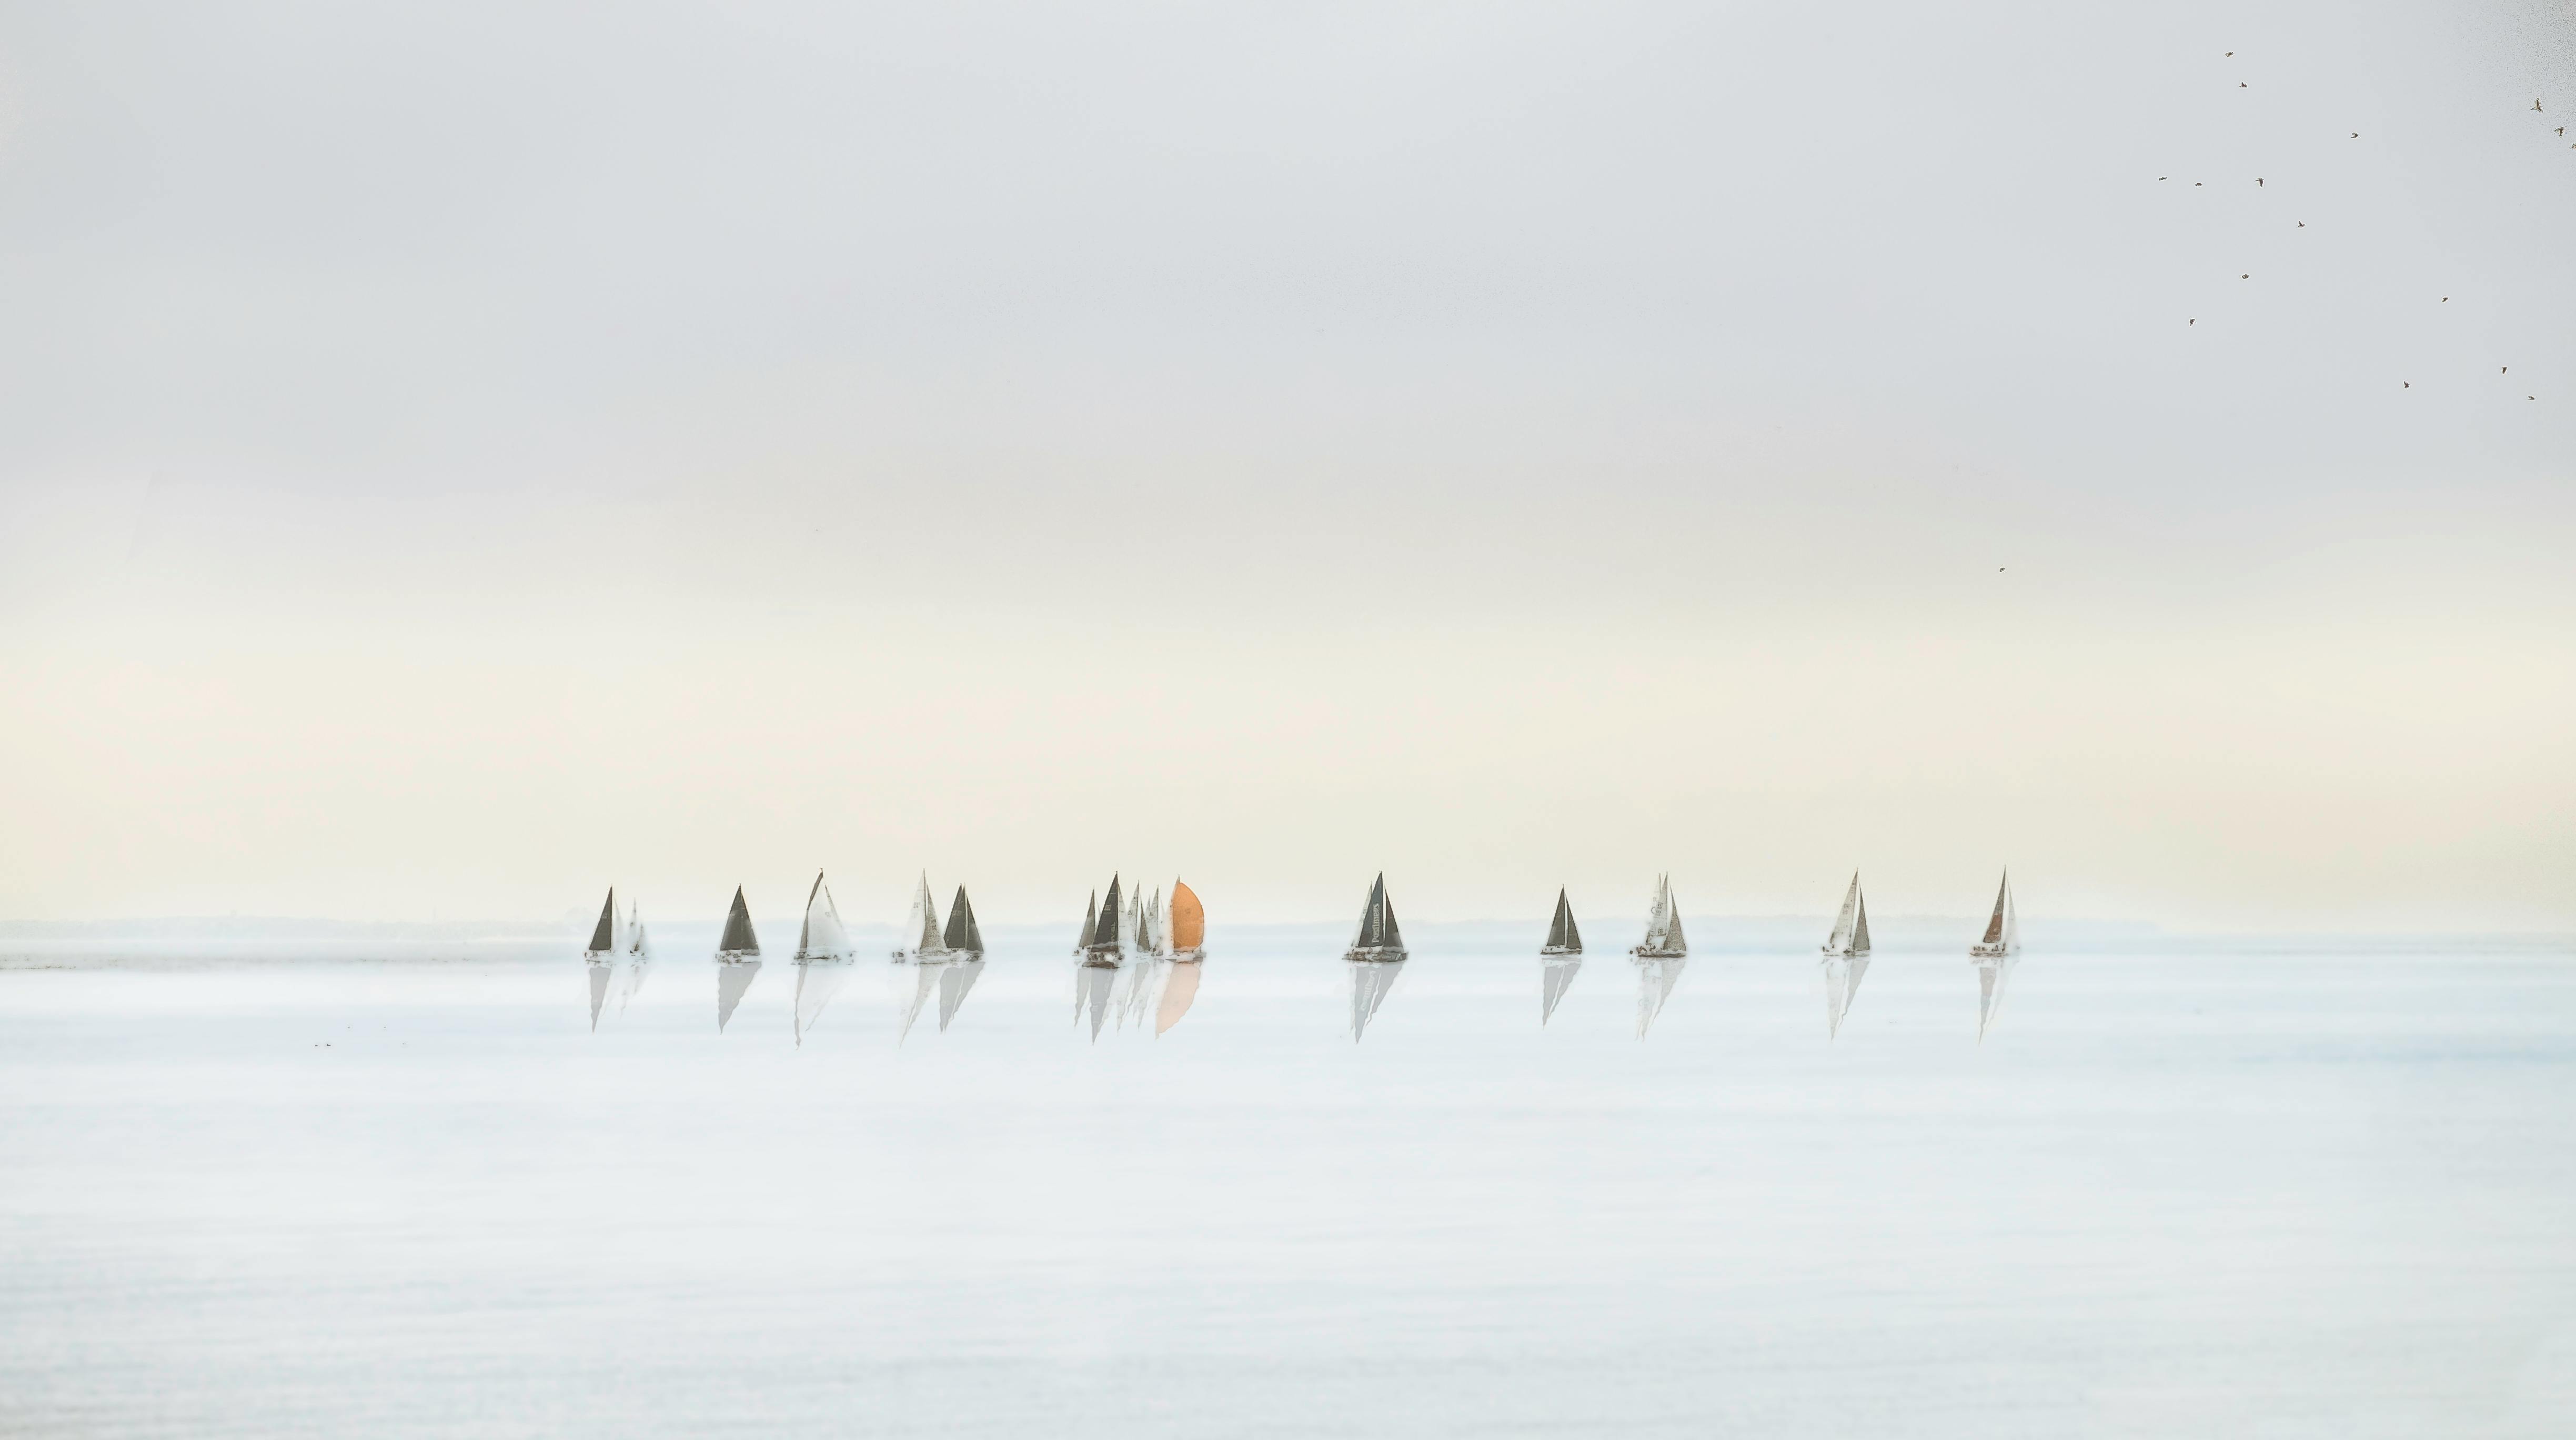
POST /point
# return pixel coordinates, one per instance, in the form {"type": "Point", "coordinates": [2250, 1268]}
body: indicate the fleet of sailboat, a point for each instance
{"type": "Point", "coordinates": [1142, 954]}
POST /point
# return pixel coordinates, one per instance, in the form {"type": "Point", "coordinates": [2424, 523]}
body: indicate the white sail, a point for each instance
{"type": "Point", "coordinates": [2002, 935]}
{"type": "Point", "coordinates": [1839, 942]}
{"type": "Point", "coordinates": [1556, 977]}
{"type": "Point", "coordinates": [823, 937]}
{"type": "Point", "coordinates": [1663, 925]}
{"type": "Point", "coordinates": [920, 938]}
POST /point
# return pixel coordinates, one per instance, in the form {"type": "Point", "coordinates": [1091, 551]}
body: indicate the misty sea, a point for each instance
{"type": "Point", "coordinates": [2187, 1187]}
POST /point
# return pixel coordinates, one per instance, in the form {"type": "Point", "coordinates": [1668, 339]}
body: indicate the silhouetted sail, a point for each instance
{"type": "Point", "coordinates": [1370, 982]}
{"type": "Point", "coordinates": [1562, 936]}
{"type": "Point", "coordinates": [603, 936]}
{"type": "Point", "coordinates": [1655, 981]}
{"type": "Point", "coordinates": [956, 978]}
{"type": "Point", "coordinates": [1082, 942]}
{"type": "Point", "coordinates": [1180, 987]}
{"type": "Point", "coordinates": [1379, 938]}
{"type": "Point", "coordinates": [1555, 978]}
{"type": "Point", "coordinates": [733, 977]}
{"type": "Point", "coordinates": [1189, 924]}
{"type": "Point", "coordinates": [599, 978]}
{"type": "Point", "coordinates": [1663, 926]}
{"type": "Point", "coordinates": [738, 940]}
{"type": "Point", "coordinates": [963, 936]}
{"type": "Point", "coordinates": [2003, 929]}
{"type": "Point", "coordinates": [1109, 937]}
{"type": "Point", "coordinates": [1091, 985]}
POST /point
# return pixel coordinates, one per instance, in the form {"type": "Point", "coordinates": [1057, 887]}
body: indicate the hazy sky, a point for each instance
{"type": "Point", "coordinates": [453, 456]}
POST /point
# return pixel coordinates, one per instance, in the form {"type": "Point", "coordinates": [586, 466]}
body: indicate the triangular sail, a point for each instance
{"type": "Point", "coordinates": [1189, 920]}
{"type": "Point", "coordinates": [1860, 933]}
{"type": "Point", "coordinates": [1108, 935]}
{"type": "Point", "coordinates": [1840, 940]}
{"type": "Point", "coordinates": [822, 936]}
{"type": "Point", "coordinates": [1561, 931]}
{"type": "Point", "coordinates": [1378, 930]}
{"type": "Point", "coordinates": [1090, 922]}
{"type": "Point", "coordinates": [738, 939]}
{"type": "Point", "coordinates": [962, 935]}
{"type": "Point", "coordinates": [603, 936]}
{"type": "Point", "coordinates": [1995, 925]}
{"type": "Point", "coordinates": [926, 934]}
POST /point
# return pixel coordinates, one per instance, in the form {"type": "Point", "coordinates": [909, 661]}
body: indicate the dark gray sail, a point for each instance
{"type": "Point", "coordinates": [1860, 929]}
{"type": "Point", "coordinates": [1105, 935]}
{"type": "Point", "coordinates": [1378, 930]}
{"type": "Point", "coordinates": [1995, 927]}
{"type": "Point", "coordinates": [738, 939]}
{"type": "Point", "coordinates": [603, 936]}
{"type": "Point", "coordinates": [963, 933]}
{"type": "Point", "coordinates": [1562, 936]}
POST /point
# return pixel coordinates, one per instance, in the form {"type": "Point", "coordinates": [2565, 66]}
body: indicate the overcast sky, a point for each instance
{"type": "Point", "coordinates": [453, 456]}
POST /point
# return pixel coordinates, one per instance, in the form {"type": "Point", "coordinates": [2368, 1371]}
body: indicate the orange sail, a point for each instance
{"type": "Point", "coordinates": [1189, 919]}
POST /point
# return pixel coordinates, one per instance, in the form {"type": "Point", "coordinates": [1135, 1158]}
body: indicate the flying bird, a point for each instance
{"type": "Point", "coordinates": [2409, 384]}
{"type": "Point", "coordinates": [2500, 369]}
{"type": "Point", "coordinates": [2303, 224]}
{"type": "Point", "coordinates": [2356, 134]}
{"type": "Point", "coordinates": [2258, 182]}
{"type": "Point", "coordinates": [2240, 84]}
{"type": "Point", "coordinates": [2536, 106]}
{"type": "Point", "coordinates": [2244, 277]}
{"type": "Point", "coordinates": [2192, 321]}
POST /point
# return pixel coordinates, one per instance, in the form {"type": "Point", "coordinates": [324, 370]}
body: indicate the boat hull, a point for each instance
{"type": "Point", "coordinates": [1990, 952]}
{"type": "Point", "coordinates": [1375, 954]}
{"type": "Point", "coordinates": [1559, 951]}
{"type": "Point", "coordinates": [1642, 953]}
{"type": "Point", "coordinates": [1831, 953]}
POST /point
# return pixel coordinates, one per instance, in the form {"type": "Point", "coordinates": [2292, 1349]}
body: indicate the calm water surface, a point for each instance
{"type": "Point", "coordinates": [2197, 1190]}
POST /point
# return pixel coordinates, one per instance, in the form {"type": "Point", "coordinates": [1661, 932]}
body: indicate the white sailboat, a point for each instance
{"type": "Point", "coordinates": [920, 938]}
{"type": "Point", "coordinates": [1846, 956]}
{"type": "Point", "coordinates": [1560, 958]}
{"type": "Point", "coordinates": [1663, 926]}
{"type": "Point", "coordinates": [1995, 954]}
{"type": "Point", "coordinates": [737, 959]}
{"type": "Point", "coordinates": [824, 957]}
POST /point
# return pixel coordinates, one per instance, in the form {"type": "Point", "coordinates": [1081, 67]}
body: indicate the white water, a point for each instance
{"type": "Point", "coordinates": [2315, 1190]}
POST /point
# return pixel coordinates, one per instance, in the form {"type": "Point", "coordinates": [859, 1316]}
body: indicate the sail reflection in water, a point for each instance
{"type": "Point", "coordinates": [737, 959]}
{"type": "Point", "coordinates": [955, 979]}
{"type": "Point", "coordinates": [1370, 982]}
{"type": "Point", "coordinates": [1994, 955]}
{"type": "Point", "coordinates": [634, 958]}
{"type": "Point", "coordinates": [1655, 981]}
{"type": "Point", "coordinates": [600, 955]}
{"type": "Point", "coordinates": [1098, 953]}
{"type": "Point", "coordinates": [1560, 958]}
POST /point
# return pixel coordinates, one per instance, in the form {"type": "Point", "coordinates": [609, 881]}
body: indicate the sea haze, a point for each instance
{"type": "Point", "coordinates": [2185, 1188]}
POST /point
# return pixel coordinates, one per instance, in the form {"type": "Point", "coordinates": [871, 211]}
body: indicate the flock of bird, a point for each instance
{"type": "Point", "coordinates": [2194, 321]}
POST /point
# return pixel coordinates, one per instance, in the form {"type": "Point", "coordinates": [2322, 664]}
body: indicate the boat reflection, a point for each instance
{"type": "Point", "coordinates": [1180, 987]}
{"type": "Point", "coordinates": [914, 984]}
{"type": "Point", "coordinates": [737, 960]}
{"type": "Point", "coordinates": [956, 978]}
{"type": "Point", "coordinates": [1842, 982]}
{"type": "Point", "coordinates": [1556, 976]}
{"type": "Point", "coordinates": [1091, 986]}
{"type": "Point", "coordinates": [1370, 982]}
{"type": "Point", "coordinates": [601, 972]}
{"type": "Point", "coordinates": [1655, 981]}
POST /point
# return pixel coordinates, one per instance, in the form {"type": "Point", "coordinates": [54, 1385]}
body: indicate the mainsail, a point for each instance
{"type": "Point", "coordinates": [921, 939]}
{"type": "Point", "coordinates": [603, 936]}
{"type": "Point", "coordinates": [823, 955]}
{"type": "Point", "coordinates": [1562, 936]}
{"type": "Point", "coordinates": [1106, 938]}
{"type": "Point", "coordinates": [2003, 928]}
{"type": "Point", "coordinates": [1082, 941]}
{"type": "Point", "coordinates": [963, 936]}
{"type": "Point", "coordinates": [1189, 922]}
{"type": "Point", "coordinates": [1379, 937]}
{"type": "Point", "coordinates": [738, 941]}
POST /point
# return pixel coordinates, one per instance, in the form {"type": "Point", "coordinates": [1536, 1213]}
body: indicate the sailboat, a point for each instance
{"type": "Point", "coordinates": [823, 957]}
{"type": "Point", "coordinates": [1098, 951]}
{"type": "Point", "coordinates": [1846, 956]}
{"type": "Point", "coordinates": [1379, 940]}
{"type": "Point", "coordinates": [964, 941]}
{"type": "Point", "coordinates": [1189, 923]}
{"type": "Point", "coordinates": [1995, 954]}
{"type": "Point", "coordinates": [599, 957]}
{"type": "Point", "coordinates": [737, 959]}
{"type": "Point", "coordinates": [1663, 926]}
{"type": "Point", "coordinates": [920, 938]}
{"type": "Point", "coordinates": [1188, 937]}
{"type": "Point", "coordinates": [1560, 959]}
